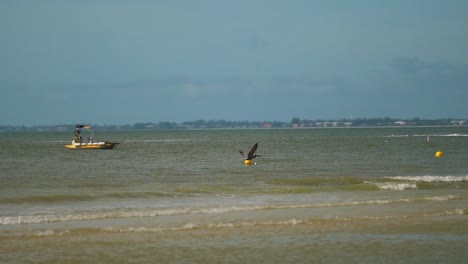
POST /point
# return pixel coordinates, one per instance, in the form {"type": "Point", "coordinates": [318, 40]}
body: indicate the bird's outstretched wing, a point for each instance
{"type": "Point", "coordinates": [252, 151]}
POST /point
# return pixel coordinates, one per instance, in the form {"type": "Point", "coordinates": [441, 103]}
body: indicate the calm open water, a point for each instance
{"type": "Point", "coordinates": [315, 196]}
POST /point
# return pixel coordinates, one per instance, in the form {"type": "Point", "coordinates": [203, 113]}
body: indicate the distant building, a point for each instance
{"type": "Point", "coordinates": [458, 122]}
{"type": "Point", "coordinates": [267, 125]}
{"type": "Point", "coordinates": [400, 123]}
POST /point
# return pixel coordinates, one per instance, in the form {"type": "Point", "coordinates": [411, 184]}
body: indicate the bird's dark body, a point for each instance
{"type": "Point", "coordinates": [251, 155]}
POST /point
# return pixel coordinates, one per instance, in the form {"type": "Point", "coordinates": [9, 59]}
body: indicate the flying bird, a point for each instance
{"type": "Point", "coordinates": [251, 155]}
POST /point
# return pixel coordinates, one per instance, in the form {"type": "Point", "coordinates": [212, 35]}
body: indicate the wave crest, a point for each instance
{"type": "Point", "coordinates": [429, 178]}
{"type": "Point", "coordinates": [85, 216]}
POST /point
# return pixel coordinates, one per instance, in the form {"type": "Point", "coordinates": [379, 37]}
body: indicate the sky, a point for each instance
{"type": "Point", "coordinates": [123, 62]}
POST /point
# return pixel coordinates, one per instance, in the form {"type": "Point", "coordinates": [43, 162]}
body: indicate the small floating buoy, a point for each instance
{"type": "Point", "coordinates": [439, 154]}
{"type": "Point", "coordinates": [248, 162]}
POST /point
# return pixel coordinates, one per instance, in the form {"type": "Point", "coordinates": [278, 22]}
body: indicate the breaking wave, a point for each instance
{"type": "Point", "coordinates": [134, 213]}
{"type": "Point", "coordinates": [163, 140]}
{"type": "Point", "coordinates": [428, 178]}
{"type": "Point", "coordinates": [396, 186]}
{"type": "Point", "coordinates": [321, 222]}
{"type": "Point", "coordinates": [428, 135]}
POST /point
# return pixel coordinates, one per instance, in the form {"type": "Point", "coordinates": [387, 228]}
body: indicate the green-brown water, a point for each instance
{"type": "Point", "coordinates": [315, 196]}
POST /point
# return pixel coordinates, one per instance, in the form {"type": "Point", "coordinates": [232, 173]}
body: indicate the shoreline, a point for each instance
{"type": "Point", "coordinates": [246, 128]}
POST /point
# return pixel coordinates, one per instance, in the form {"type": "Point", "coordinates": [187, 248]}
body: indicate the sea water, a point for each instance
{"type": "Point", "coordinates": [357, 195]}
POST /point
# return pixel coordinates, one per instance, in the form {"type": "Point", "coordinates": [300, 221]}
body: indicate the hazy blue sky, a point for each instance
{"type": "Point", "coordinates": [121, 62]}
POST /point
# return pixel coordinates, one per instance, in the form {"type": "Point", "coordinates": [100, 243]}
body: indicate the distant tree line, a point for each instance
{"type": "Point", "coordinates": [295, 122]}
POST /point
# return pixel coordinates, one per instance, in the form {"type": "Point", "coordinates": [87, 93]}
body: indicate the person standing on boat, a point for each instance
{"type": "Point", "coordinates": [77, 138]}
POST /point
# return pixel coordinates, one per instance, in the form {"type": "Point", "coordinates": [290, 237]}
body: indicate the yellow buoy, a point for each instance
{"type": "Point", "coordinates": [439, 154]}
{"type": "Point", "coordinates": [248, 162]}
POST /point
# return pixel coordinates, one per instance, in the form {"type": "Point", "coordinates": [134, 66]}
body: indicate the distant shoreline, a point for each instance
{"type": "Point", "coordinates": [294, 123]}
{"type": "Point", "coordinates": [247, 128]}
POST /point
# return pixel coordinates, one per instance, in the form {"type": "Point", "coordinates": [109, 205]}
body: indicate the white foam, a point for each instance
{"type": "Point", "coordinates": [226, 225]}
{"type": "Point", "coordinates": [460, 211]}
{"type": "Point", "coordinates": [396, 186]}
{"type": "Point", "coordinates": [51, 232]}
{"type": "Point", "coordinates": [192, 226]}
{"type": "Point", "coordinates": [453, 135]}
{"type": "Point", "coordinates": [162, 140]}
{"type": "Point", "coordinates": [434, 135]}
{"type": "Point", "coordinates": [46, 232]}
{"type": "Point", "coordinates": [457, 211]}
{"type": "Point", "coordinates": [37, 219]}
{"type": "Point", "coordinates": [428, 178]}
{"type": "Point", "coordinates": [396, 136]}
{"type": "Point", "coordinates": [440, 198]}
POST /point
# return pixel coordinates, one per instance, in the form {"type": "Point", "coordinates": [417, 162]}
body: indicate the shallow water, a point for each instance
{"type": "Point", "coordinates": [315, 195]}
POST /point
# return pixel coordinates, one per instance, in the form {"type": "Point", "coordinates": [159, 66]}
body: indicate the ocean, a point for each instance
{"type": "Point", "coordinates": [347, 195]}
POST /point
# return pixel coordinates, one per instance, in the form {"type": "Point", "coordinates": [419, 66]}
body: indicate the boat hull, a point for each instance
{"type": "Point", "coordinates": [97, 145]}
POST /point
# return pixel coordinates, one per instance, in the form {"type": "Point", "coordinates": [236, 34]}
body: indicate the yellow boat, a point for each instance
{"type": "Point", "coordinates": [91, 145]}
{"type": "Point", "coordinates": [78, 143]}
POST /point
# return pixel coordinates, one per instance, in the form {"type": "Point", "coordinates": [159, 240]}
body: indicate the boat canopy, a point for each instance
{"type": "Point", "coordinates": [83, 126]}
